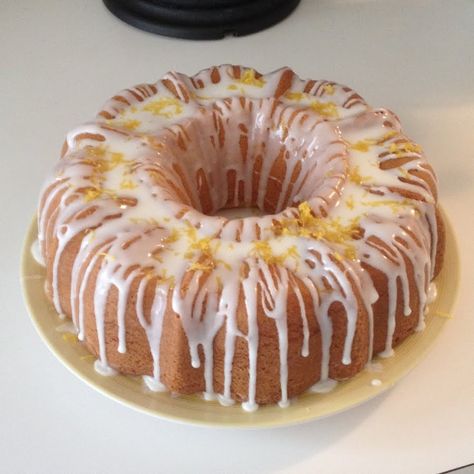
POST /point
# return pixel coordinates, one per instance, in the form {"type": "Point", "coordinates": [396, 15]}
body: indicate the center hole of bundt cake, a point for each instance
{"type": "Point", "coordinates": [239, 212]}
{"type": "Point", "coordinates": [257, 155]}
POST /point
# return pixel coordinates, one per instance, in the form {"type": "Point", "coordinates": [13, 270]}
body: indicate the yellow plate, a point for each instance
{"type": "Point", "coordinates": [192, 409]}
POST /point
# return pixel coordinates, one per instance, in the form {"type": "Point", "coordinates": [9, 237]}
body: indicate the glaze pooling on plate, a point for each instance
{"type": "Point", "coordinates": [142, 184]}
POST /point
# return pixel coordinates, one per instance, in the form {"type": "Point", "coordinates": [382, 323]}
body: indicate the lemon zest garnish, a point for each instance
{"type": "Point", "coordinates": [356, 177]}
{"type": "Point", "coordinates": [203, 245]}
{"type": "Point", "coordinates": [162, 277]}
{"type": "Point", "coordinates": [92, 193]}
{"type": "Point", "coordinates": [332, 230]}
{"type": "Point", "coordinates": [350, 202]}
{"type": "Point", "coordinates": [326, 109]}
{"type": "Point", "coordinates": [104, 161]}
{"type": "Point", "coordinates": [404, 147]}
{"type": "Point", "coordinates": [248, 78]}
{"type": "Point", "coordinates": [350, 252]}
{"type": "Point", "coordinates": [128, 184]}
{"type": "Point", "coordinates": [167, 107]}
{"type": "Point", "coordinates": [201, 97]}
{"type": "Point", "coordinates": [388, 135]}
{"type": "Point", "coordinates": [203, 251]}
{"type": "Point", "coordinates": [96, 151]}
{"type": "Point", "coordinates": [233, 87]}
{"type": "Point", "coordinates": [190, 231]}
{"type": "Point", "coordinates": [208, 263]}
{"type": "Point", "coordinates": [292, 252]}
{"type": "Point", "coordinates": [443, 314]}
{"type": "Point", "coordinates": [172, 237]}
{"type": "Point", "coordinates": [117, 159]}
{"type": "Point", "coordinates": [263, 250]}
{"type": "Point", "coordinates": [329, 89]}
{"type": "Point", "coordinates": [297, 96]}
{"type": "Point", "coordinates": [362, 145]}
{"type": "Point", "coordinates": [206, 266]}
{"type": "Point", "coordinates": [131, 124]}
{"type": "Point", "coordinates": [132, 109]}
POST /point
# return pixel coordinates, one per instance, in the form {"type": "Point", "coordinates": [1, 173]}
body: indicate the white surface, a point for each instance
{"type": "Point", "coordinates": [60, 60]}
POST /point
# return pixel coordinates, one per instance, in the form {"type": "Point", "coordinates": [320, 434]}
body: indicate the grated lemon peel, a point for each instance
{"type": "Point", "coordinates": [167, 107]}
{"type": "Point", "coordinates": [262, 249]}
{"type": "Point", "coordinates": [330, 230]}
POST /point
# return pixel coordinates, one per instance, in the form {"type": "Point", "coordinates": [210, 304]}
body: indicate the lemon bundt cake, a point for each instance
{"type": "Point", "coordinates": [159, 281]}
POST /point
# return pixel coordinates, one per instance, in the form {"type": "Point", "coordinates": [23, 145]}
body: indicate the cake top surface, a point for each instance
{"type": "Point", "coordinates": [144, 154]}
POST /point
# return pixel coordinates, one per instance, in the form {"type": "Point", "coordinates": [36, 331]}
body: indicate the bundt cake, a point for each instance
{"type": "Point", "coordinates": [331, 266]}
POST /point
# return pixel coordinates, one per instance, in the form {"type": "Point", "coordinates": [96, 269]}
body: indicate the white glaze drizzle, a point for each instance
{"type": "Point", "coordinates": [162, 161]}
{"type": "Point", "coordinates": [432, 293]}
{"type": "Point", "coordinates": [36, 253]}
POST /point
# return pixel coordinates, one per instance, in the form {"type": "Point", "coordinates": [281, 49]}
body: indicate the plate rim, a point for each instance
{"type": "Point", "coordinates": [247, 420]}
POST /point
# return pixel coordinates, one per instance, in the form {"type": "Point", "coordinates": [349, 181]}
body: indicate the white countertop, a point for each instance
{"type": "Point", "coordinates": [60, 60]}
